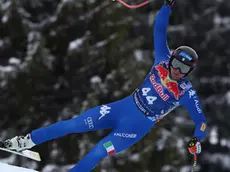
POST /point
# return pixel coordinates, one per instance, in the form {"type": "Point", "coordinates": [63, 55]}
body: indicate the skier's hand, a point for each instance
{"type": "Point", "coordinates": [194, 146]}
{"type": "Point", "coordinates": [170, 3]}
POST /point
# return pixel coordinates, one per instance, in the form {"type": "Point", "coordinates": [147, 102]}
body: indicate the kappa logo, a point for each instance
{"type": "Point", "coordinates": [191, 93]}
{"type": "Point", "coordinates": [104, 110]}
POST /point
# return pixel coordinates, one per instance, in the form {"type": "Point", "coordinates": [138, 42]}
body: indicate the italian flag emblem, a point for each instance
{"type": "Point", "coordinates": [109, 147]}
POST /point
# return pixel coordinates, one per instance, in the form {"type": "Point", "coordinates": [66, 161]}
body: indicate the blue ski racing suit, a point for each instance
{"type": "Point", "coordinates": [133, 117]}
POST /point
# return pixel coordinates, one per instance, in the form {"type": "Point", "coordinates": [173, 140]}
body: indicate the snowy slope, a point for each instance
{"type": "Point", "coordinates": [10, 168]}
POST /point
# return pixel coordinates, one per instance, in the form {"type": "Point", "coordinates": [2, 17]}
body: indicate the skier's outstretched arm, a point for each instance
{"type": "Point", "coordinates": [160, 33]}
{"type": "Point", "coordinates": [191, 102]}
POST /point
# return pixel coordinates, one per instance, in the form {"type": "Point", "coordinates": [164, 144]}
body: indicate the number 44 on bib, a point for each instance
{"type": "Point", "coordinates": [150, 99]}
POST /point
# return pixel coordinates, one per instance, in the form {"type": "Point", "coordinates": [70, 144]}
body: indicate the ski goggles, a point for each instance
{"type": "Point", "coordinates": [176, 64]}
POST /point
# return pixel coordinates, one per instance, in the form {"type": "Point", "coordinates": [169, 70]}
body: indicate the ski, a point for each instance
{"type": "Point", "coordinates": [13, 168]}
{"type": "Point", "coordinates": [26, 153]}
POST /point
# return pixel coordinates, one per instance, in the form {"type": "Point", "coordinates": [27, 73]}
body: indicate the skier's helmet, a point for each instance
{"type": "Point", "coordinates": [184, 58]}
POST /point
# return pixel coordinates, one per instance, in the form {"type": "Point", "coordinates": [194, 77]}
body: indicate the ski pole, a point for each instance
{"type": "Point", "coordinates": [194, 163]}
{"type": "Point", "coordinates": [133, 6]}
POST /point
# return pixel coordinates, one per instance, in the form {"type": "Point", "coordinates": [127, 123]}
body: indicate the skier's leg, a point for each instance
{"type": "Point", "coordinates": [97, 118]}
{"type": "Point", "coordinates": [125, 135]}
{"type": "Point", "coordinates": [83, 123]}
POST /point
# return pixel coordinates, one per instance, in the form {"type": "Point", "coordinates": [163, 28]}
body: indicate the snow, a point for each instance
{"type": "Point", "coordinates": [5, 6]}
{"type": "Point", "coordinates": [1, 43]}
{"type": "Point", "coordinates": [66, 1]}
{"type": "Point", "coordinates": [95, 79]}
{"type": "Point", "coordinates": [51, 167]}
{"type": "Point", "coordinates": [104, 42]}
{"type": "Point", "coordinates": [101, 43]}
{"type": "Point", "coordinates": [166, 168]}
{"type": "Point", "coordinates": [10, 168]}
{"type": "Point", "coordinates": [91, 1]}
{"type": "Point", "coordinates": [177, 28]}
{"type": "Point", "coordinates": [4, 19]}
{"type": "Point", "coordinates": [135, 157]}
{"type": "Point", "coordinates": [186, 168]}
{"type": "Point", "coordinates": [91, 13]}
{"type": "Point", "coordinates": [14, 60]}
{"type": "Point", "coordinates": [218, 158]}
{"type": "Point", "coordinates": [215, 79]}
{"type": "Point", "coordinates": [213, 136]}
{"type": "Point", "coordinates": [160, 143]}
{"type": "Point", "coordinates": [6, 69]}
{"type": "Point", "coordinates": [75, 44]}
{"type": "Point", "coordinates": [54, 167]}
{"type": "Point", "coordinates": [218, 20]}
{"type": "Point", "coordinates": [228, 97]}
{"type": "Point", "coordinates": [138, 55]}
{"type": "Point", "coordinates": [225, 143]}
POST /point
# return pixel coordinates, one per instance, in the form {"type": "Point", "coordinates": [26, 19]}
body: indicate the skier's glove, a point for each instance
{"type": "Point", "coordinates": [170, 3]}
{"type": "Point", "coordinates": [194, 146]}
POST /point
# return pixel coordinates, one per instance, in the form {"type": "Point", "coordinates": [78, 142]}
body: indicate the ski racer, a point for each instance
{"type": "Point", "coordinates": [165, 88]}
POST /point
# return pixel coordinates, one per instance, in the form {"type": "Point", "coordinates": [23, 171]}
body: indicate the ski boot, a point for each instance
{"type": "Point", "coordinates": [19, 143]}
